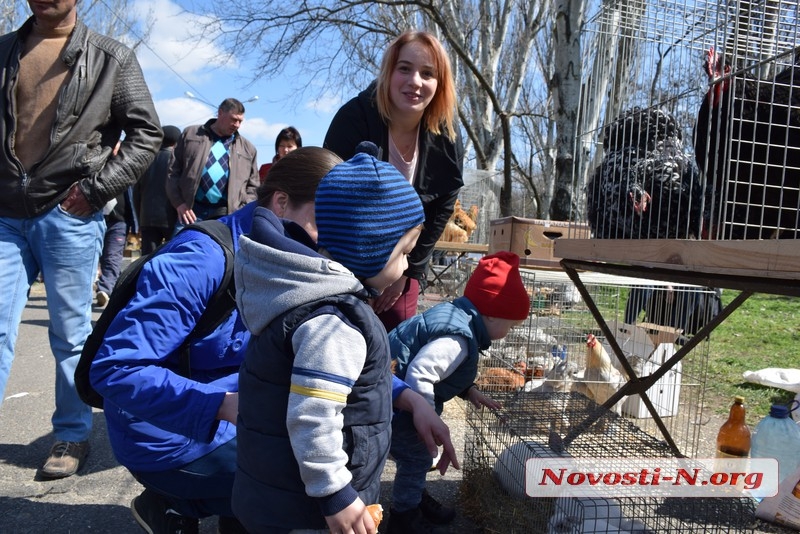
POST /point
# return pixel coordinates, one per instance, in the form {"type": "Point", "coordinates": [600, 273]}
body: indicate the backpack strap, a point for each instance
{"type": "Point", "coordinates": [223, 302]}
{"type": "Point", "coordinates": [124, 290]}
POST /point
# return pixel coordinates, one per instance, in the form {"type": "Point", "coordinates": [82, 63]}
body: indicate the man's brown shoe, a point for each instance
{"type": "Point", "coordinates": [65, 459]}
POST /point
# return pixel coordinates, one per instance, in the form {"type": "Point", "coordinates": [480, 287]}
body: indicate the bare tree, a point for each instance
{"type": "Point", "coordinates": [12, 14]}
{"type": "Point", "coordinates": [490, 44]}
{"type": "Point", "coordinates": [565, 90]}
{"type": "Point", "coordinates": [108, 17]}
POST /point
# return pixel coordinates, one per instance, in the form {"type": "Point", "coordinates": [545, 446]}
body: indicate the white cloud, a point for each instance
{"type": "Point", "coordinates": [179, 42]}
{"type": "Point", "coordinates": [258, 129]}
{"type": "Point", "coordinates": [327, 104]}
{"type": "Point", "coordinates": [183, 112]}
{"type": "Point", "coordinates": [176, 61]}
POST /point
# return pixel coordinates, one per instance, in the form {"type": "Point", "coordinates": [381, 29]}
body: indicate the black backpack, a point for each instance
{"type": "Point", "coordinates": [219, 308]}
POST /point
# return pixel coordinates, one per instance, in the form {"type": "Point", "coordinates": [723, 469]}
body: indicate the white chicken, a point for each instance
{"type": "Point", "coordinates": [600, 379]}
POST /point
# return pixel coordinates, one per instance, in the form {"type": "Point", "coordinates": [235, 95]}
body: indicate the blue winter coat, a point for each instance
{"type": "Point", "coordinates": [158, 419]}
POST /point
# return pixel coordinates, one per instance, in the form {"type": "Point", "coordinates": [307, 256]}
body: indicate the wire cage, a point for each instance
{"type": "Point", "coordinates": [650, 320]}
{"type": "Point", "coordinates": [468, 233]}
{"type": "Point", "coordinates": [690, 119]}
{"type": "Point", "coordinates": [494, 467]}
{"type": "Point", "coordinates": [482, 190]}
{"type": "Point", "coordinates": [552, 401]}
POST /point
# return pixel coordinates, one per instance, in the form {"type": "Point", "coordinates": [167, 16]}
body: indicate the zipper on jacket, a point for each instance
{"type": "Point", "coordinates": [79, 89]}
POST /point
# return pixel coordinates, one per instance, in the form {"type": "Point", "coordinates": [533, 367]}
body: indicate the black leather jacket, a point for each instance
{"type": "Point", "coordinates": [105, 95]}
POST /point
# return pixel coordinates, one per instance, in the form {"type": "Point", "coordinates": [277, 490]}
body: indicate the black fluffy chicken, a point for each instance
{"type": "Point", "coordinates": [747, 141]}
{"type": "Point", "coordinates": [646, 186]}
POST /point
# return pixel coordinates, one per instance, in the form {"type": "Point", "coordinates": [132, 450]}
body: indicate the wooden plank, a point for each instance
{"type": "Point", "coordinates": [448, 246]}
{"type": "Point", "coordinates": [777, 258]}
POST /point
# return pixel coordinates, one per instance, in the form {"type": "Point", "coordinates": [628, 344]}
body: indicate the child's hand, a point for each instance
{"type": "Point", "coordinates": [229, 408]}
{"type": "Point", "coordinates": [389, 296]}
{"type": "Point", "coordinates": [355, 518]}
{"type": "Point", "coordinates": [478, 399]}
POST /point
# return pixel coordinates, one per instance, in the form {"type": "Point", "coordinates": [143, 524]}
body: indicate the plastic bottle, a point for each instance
{"type": "Point", "coordinates": [733, 439]}
{"type": "Point", "coordinates": [778, 436]}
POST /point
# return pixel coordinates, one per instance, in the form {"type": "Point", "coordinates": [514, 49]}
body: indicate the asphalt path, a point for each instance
{"type": "Point", "coordinates": [97, 498]}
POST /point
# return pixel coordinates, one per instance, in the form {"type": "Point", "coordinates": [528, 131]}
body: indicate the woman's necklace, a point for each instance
{"type": "Point", "coordinates": [408, 154]}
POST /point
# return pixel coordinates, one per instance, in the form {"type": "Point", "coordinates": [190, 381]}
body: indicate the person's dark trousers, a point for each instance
{"type": "Point", "coordinates": [201, 488]}
{"type": "Point", "coordinates": [204, 212]}
{"type": "Point", "coordinates": [111, 257]}
{"type": "Point", "coordinates": [637, 301]}
{"type": "Point", "coordinates": [153, 236]}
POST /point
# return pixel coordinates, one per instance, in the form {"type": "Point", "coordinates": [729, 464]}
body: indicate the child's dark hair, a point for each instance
{"type": "Point", "coordinates": [298, 174]}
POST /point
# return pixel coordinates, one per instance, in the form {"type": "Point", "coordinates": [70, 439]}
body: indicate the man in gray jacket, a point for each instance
{"type": "Point", "coordinates": [213, 171]}
{"type": "Point", "coordinates": [67, 95]}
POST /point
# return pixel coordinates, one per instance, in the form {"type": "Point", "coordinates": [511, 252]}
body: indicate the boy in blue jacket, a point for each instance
{"type": "Point", "coordinates": [436, 354]}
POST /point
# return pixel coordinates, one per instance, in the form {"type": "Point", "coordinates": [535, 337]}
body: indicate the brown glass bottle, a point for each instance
{"type": "Point", "coordinates": [733, 439]}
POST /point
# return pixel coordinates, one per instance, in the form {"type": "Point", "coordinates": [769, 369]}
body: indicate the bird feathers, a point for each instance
{"type": "Point", "coordinates": [747, 141]}
{"type": "Point", "coordinates": [646, 187]}
{"type": "Point", "coordinates": [600, 378]}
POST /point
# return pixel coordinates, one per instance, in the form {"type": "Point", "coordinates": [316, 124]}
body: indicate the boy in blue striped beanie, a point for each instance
{"type": "Point", "coordinates": [318, 355]}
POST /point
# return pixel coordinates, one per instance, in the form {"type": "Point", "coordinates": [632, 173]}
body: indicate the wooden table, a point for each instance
{"type": "Point", "coordinates": [460, 250]}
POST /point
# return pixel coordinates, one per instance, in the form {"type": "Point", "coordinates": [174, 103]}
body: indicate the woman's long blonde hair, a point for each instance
{"type": "Point", "coordinates": [439, 116]}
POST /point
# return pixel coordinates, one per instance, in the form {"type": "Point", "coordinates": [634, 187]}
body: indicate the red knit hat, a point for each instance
{"type": "Point", "coordinates": [496, 287]}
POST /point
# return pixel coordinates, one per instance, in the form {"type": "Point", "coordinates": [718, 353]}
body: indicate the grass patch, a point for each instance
{"type": "Point", "coordinates": [763, 332]}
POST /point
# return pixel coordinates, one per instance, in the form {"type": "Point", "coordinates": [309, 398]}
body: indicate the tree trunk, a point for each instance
{"type": "Point", "coordinates": [565, 86]}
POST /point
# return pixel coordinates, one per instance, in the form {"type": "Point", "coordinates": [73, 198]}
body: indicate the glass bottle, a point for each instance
{"type": "Point", "coordinates": [733, 439]}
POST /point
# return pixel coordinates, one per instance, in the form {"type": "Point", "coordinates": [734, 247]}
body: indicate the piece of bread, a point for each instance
{"type": "Point", "coordinates": [376, 511]}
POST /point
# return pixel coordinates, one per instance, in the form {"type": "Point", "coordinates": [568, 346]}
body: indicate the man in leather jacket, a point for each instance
{"type": "Point", "coordinates": [67, 95]}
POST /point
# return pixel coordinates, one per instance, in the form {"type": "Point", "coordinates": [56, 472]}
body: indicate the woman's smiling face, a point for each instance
{"type": "Point", "coordinates": [413, 82]}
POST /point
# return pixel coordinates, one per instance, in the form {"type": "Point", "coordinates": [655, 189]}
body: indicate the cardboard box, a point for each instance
{"type": "Point", "coordinates": [647, 347]}
{"type": "Point", "coordinates": [659, 333]}
{"type": "Point", "coordinates": [532, 239]}
{"type": "Point", "coordinates": [664, 394]}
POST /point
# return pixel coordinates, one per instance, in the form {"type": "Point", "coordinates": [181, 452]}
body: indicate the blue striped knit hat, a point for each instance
{"type": "Point", "coordinates": [363, 207]}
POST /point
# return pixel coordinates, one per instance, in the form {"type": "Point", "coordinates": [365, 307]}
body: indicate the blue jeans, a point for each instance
{"type": "Point", "coordinates": [111, 258]}
{"type": "Point", "coordinates": [413, 461]}
{"type": "Point", "coordinates": [65, 249]}
{"type": "Point", "coordinates": [200, 488]}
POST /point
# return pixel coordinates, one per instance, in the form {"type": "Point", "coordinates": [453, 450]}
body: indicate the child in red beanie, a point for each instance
{"type": "Point", "coordinates": [436, 354]}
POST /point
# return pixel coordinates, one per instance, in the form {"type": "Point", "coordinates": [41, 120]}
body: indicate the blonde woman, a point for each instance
{"type": "Point", "coordinates": [409, 113]}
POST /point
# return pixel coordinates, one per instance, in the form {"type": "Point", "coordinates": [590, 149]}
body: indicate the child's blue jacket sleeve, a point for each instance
{"type": "Point", "coordinates": [398, 386]}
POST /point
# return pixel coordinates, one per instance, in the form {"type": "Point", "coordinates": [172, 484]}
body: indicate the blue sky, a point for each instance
{"type": "Point", "coordinates": [174, 62]}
